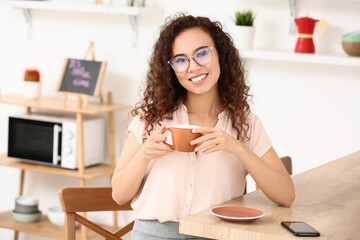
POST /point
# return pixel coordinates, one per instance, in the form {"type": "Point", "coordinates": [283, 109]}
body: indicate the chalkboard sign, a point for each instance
{"type": "Point", "coordinates": [82, 76]}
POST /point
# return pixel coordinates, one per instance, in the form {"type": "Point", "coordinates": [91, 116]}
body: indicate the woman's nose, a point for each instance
{"type": "Point", "coordinates": [193, 65]}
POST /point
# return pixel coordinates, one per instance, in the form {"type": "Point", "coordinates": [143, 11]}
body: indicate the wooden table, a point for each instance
{"type": "Point", "coordinates": [327, 198]}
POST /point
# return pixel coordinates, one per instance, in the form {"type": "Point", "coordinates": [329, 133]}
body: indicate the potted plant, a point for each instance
{"type": "Point", "coordinates": [245, 30]}
{"type": "Point", "coordinates": [31, 88]}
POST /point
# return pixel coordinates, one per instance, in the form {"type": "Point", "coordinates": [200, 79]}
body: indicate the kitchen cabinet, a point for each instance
{"type": "Point", "coordinates": [44, 227]}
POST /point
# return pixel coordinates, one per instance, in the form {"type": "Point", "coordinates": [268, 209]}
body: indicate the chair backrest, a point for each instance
{"type": "Point", "coordinates": [90, 199]}
{"type": "Point", "coordinates": [288, 165]}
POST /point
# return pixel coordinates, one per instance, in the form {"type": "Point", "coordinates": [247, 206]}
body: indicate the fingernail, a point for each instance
{"type": "Point", "coordinates": [191, 143]}
{"type": "Point", "coordinates": [196, 149]}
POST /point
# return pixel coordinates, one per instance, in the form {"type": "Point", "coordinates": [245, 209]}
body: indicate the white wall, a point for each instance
{"type": "Point", "coordinates": [311, 111]}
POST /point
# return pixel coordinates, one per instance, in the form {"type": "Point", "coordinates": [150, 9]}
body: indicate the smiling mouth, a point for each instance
{"type": "Point", "coordinates": [198, 79]}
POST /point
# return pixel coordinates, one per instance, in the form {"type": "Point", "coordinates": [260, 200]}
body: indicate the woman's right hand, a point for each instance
{"type": "Point", "coordinates": [153, 146]}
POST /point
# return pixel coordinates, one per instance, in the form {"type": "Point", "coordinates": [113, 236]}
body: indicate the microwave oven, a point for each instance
{"type": "Point", "coordinates": [51, 139]}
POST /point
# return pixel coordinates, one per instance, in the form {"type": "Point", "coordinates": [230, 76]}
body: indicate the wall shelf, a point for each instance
{"type": "Point", "coordinates": [84, 7]}
{"type": "Point", "coordinates": [132, 12]}
{"type": "Point", "coordinates": [319, 58]}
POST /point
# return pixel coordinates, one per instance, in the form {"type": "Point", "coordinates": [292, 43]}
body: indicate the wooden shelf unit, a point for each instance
{"type": "Point", "coordinates": [55, 104]}
{"type": "Point", "coordinates": [90, 173]}
{"type": "Point", "coordinates": [44, 227]}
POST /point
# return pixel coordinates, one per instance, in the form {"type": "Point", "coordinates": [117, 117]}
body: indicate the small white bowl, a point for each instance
{"type": "Point", "coordinates": [56, 216]}
{"type": "Point", "coordinates": [27, 200]}
{"type": "Point", "coordinates": [26, 217]}
{"type": "Point", "coordinates": [20, 208]}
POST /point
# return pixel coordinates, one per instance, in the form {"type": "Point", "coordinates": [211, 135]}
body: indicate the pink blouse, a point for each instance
{"type": "Point", "coordinates": [180, 184]}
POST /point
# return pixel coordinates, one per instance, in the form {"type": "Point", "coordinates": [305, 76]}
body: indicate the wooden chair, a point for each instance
{"type": "Point", "coordinates": [288, 165]}
{"type": "Point", "coordinates": [90, 199]}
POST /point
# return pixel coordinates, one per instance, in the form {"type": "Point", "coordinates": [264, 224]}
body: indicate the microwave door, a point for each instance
{"type": "Point", "coordinates": [33, 140]}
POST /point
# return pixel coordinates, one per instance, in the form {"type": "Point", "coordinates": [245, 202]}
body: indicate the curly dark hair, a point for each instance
{"type": "Point", "coordinates": [163, 94]}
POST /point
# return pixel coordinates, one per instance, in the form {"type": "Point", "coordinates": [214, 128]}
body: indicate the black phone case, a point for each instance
{"type": "Point", "coordinates": [301, 234]}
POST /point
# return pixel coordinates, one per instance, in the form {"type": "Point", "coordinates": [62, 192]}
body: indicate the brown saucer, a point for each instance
{"type": "Point", "coordinates": [236, 213]}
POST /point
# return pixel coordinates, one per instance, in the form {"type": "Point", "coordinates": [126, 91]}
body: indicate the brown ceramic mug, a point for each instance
{"type": "Point", "coordinates": [181, 136]}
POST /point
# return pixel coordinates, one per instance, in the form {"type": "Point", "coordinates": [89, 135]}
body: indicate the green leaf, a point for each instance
{"type": "Point", "coordinates": [244, 18]}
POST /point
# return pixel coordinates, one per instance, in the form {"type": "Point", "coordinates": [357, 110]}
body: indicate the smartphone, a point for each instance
{"type": "Point", "coordinates": [301, 229]}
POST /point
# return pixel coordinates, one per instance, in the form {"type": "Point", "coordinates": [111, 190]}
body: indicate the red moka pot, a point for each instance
{"type": "Point", "coordinates": [306, 27]}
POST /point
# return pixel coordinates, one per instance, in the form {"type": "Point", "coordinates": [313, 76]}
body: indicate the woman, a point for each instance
{"type": "Point", "coordinates": [196, 77]}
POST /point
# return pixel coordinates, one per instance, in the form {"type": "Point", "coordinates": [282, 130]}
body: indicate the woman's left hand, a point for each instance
{"type": "Point", "coordinates": [214, 139]}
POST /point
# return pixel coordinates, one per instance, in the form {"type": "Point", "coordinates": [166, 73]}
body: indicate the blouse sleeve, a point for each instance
{"type": "Point", "coordinates": [259, 140]}
{"type": "Point", "coordinates": [137, 127]}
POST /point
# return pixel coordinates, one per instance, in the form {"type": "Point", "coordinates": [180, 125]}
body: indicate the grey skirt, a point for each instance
{"type": "Point", "coordinates": [155, 230]}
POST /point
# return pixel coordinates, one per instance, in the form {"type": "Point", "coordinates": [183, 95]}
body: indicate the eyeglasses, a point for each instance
{"type": "Point", "coordinates": [201, 56]}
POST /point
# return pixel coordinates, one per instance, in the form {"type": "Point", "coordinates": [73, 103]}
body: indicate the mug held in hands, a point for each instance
{"type": "Point", "coordinates": [181, 137]}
